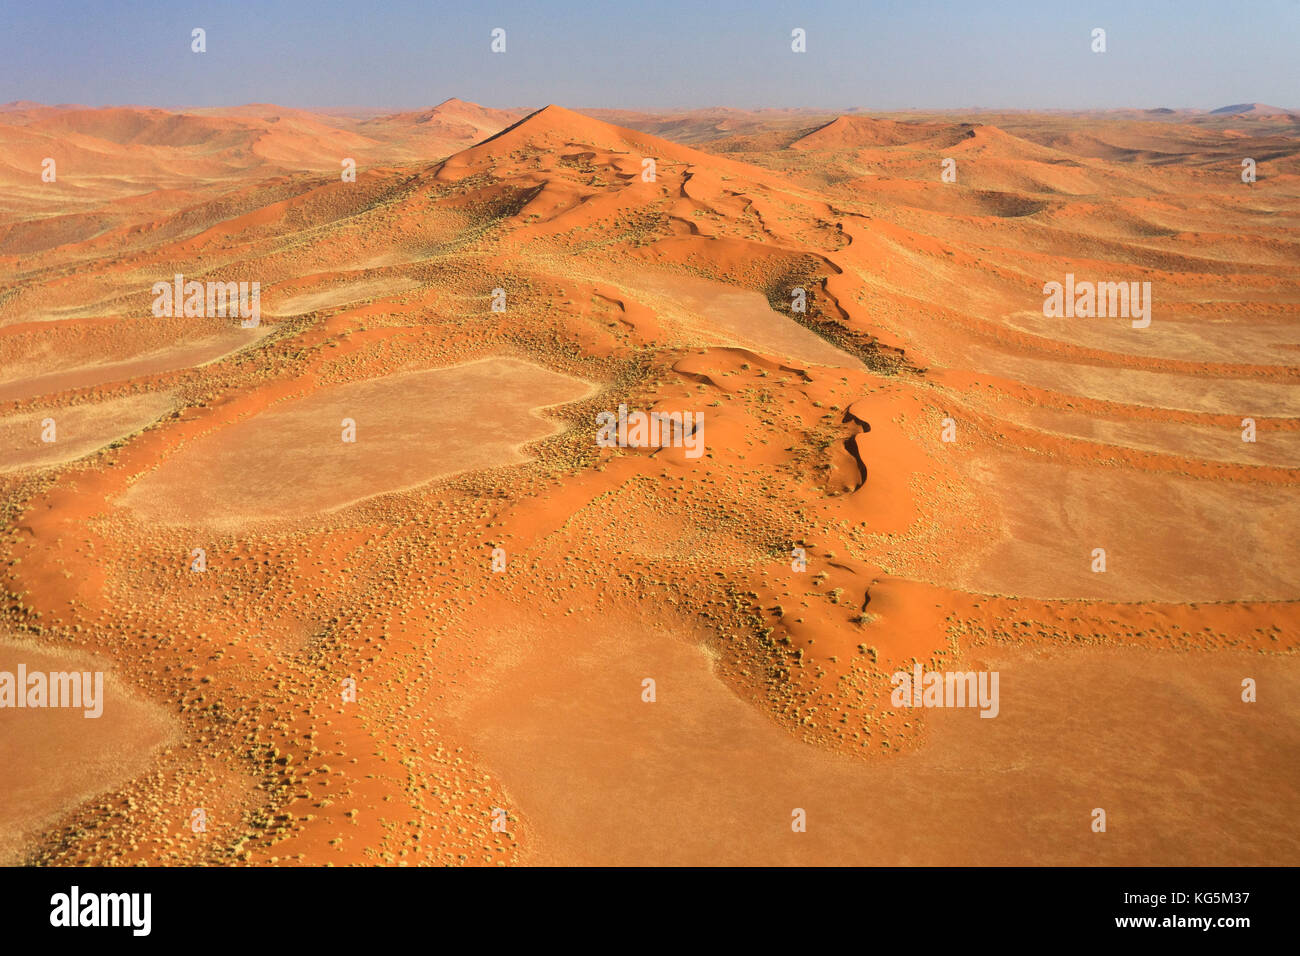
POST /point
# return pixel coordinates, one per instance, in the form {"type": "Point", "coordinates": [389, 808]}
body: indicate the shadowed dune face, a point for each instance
{"type": "Point", "coordinates": [905, 462]}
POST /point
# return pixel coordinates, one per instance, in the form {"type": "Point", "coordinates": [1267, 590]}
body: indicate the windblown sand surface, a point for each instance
{"type": "Point", "coordinates": [81, 364]}
{"type": "Point", "coordinates": [291, 461]}
{"type": "Point", "coordinates": [374, 649]}
{"type": "Point", "coordinates": [1046, 543]}
{"type": "Point", "coordinates": [345, 294]}
{"type": "Point", "coordinates": [57, 758]}
{"type": "Point", "coordinates": [697, 763]}
{"type": "Point", "coordinates": [77, 429]}
{"type": "Point", "coordinates": [713, 314]}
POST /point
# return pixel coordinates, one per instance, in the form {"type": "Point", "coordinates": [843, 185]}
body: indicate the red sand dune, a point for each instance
{"type": "Point", "coordinates": [882, 398]}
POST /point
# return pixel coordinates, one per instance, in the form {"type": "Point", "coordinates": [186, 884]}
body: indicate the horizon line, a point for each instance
{"type": "Point", "coordinates": [663, 109]}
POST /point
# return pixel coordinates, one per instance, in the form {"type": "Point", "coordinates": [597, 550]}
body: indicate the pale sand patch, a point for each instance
{"type": "Point", "coordinates": [78, 429]}
{"type": "Point", "coordinates": [59, 313]}
{"type": "Point", "coordinates": [1141, 387]}
{"type": "Point", "coordinates": [1203, 442]}
{"type": "Point", "coordinates": [1167, 538]}
{"type": "Point", "coordinates": [290, 461]}
{"type": "Point", "coordinates": [339, 294]}
{"type": "Point", "coordinates": [717, 314]}
{"type": "Point", "coordinates": [1160, 740]}
{"type": "Point", "coordinates": [1237, 337]}
{"type": "Point", "coordinates": [50, 373]}
{"type": "Point", "coordinates": [56, 758]}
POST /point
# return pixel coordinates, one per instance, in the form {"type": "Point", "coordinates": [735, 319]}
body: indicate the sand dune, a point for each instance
{"type": "Point", "coordinates": [904, 461]}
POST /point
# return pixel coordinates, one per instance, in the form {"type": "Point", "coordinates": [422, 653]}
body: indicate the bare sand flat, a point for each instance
{"type": "Point", "coordinates": [1165, 536]}
{"type": "Point", "coordinates": [1208, 393]}
{"type": "Point", "coordinates": [1161, 740]}
{"type": "Point", "coordinates": [1229, 336]}
{"type": "Point", "coordinates": [332, 296]}
{"type": "Point", "coordinates": [78, 429]}
{"type": "Point", "coordinates": [291, 461]}
{"type": "Point", "coordinates": [56, 758]}
{"type": "Point", "coordinates": [1201, 442]}
{"type": "Point", "coordinates": [714, 313]}
{"type": "Point", "coordinates": [77, 368]}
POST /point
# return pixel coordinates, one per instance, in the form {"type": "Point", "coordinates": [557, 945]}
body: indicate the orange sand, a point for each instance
{"type": "Point", "coordinates": [498, 586]}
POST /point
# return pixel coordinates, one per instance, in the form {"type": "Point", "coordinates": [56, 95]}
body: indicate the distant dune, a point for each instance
{"type": "Point", "coordinates": [1251, 109]}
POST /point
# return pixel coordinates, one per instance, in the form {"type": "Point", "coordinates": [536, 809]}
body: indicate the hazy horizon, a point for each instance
{"type": "Point", "coordinates": [703, 107]}
{"type": "Point", "coordinates": [928, 57]}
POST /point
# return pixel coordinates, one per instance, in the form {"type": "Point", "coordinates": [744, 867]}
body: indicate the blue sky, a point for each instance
{"type": "Point", "coordinates": [1014, 54]}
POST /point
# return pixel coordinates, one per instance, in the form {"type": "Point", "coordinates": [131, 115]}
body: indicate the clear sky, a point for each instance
{"type": "Point", "coordinates": [926, 54]}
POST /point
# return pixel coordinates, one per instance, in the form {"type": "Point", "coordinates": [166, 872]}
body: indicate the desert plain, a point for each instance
{"type": "Point", "coordinates": [367, 590]}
